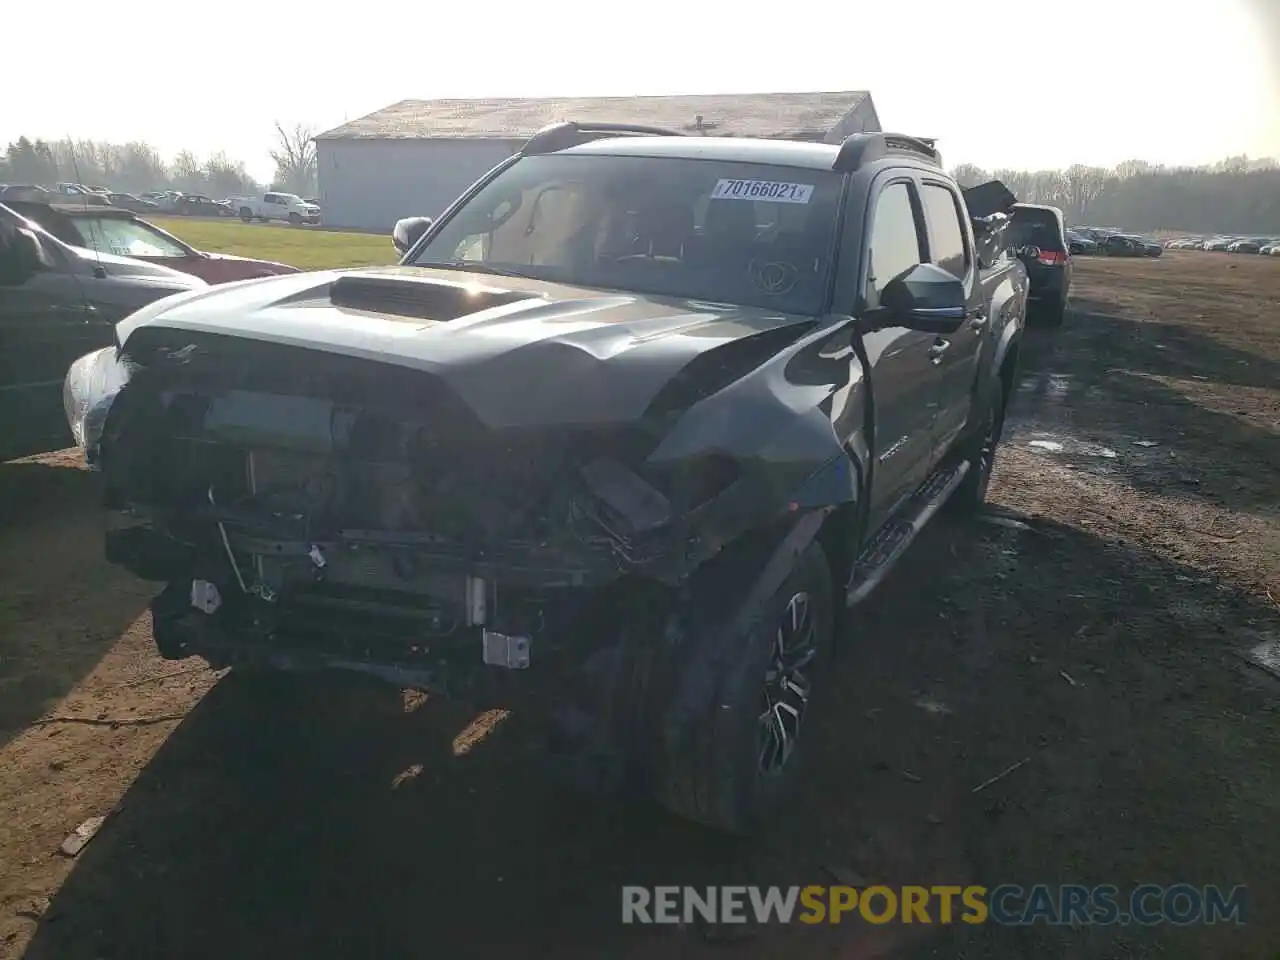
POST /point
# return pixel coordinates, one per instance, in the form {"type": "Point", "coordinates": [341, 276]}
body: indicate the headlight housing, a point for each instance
{"type": "Point", "coordinates": [91, 385]}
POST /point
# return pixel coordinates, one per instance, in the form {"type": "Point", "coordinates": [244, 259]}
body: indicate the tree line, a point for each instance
{"type": "Point", "coordinates": [1236, 195]}
{"type": "Point", "coordinates": [137, 167]}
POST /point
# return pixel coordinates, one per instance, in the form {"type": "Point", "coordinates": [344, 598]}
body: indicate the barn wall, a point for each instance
{"type": "Point", "coordinates": [861, 119]}
{"type": "Point", "coordinates": [370, 184]}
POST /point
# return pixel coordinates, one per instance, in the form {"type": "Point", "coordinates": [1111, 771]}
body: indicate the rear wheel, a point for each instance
{"type": "Point", "coordinates": [971, 496]}
{"type": "Point", "coordinates": [744, 759]}
{"type": "Point", "coordinates": [1055, 312]}
{"type": "Point", "coordinates": [246, 214]}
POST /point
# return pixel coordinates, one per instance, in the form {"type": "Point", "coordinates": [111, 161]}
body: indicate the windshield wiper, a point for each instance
{"type": "Point", "coordinates": [474, 266]}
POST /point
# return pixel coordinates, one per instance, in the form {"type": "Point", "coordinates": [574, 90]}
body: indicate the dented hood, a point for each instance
{"type": "Point", "coordinates": [519, 352]}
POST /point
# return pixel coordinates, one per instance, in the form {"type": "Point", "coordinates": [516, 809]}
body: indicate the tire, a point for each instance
{"type": "Point", "coordinates": [1055, 313]}
{"type": "Point", "coordinates": [735, 773]}
{"type": "Point", "coordinates": [295, 220]}
{"type": "Point", "coordinates": [246, 214]}
{"type": "Point", "coordinates": [971, 496]}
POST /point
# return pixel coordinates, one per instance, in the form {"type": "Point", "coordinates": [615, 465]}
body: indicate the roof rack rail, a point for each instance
{"type": "Point", "coordinates": [558, 136]}
{"type": "Point", "coordinates": [859, 149]}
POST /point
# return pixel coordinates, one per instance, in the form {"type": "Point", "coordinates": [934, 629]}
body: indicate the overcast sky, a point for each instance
{"type": "Point", "coordinates": [1018, 85]}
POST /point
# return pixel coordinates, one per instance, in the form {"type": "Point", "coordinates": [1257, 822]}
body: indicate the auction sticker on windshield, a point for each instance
{"type": "Point", "coordinates": [771, 190]}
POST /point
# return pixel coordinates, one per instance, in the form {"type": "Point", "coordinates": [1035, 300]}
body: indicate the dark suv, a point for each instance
{"type": "Point", "coordinates": [617, 440]}
{"type": "Point", "coordinates": [56, 302]}
{"type": "Point", "coordinates": [1039, 235]}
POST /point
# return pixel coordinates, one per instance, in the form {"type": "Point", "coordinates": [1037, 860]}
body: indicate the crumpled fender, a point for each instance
{"type": "Point", "coordinates": [712, 632]}
{"type": "Point", "coordinates": [1008, 337]}
{"type": "Point", "coordinates": [786, 423]}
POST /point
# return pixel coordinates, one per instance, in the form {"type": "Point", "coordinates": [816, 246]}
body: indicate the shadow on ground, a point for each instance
{"type": "Point", "coordinates": [61, 606]}
{"type": "Point", "coordinates": [30, 489]}
{"type": "Point", "coordinates": [329, 822]}
{"type": "Point", "coordinates": [1089, 398]}
{"type": "Point", "coordinates": [1165, 349]}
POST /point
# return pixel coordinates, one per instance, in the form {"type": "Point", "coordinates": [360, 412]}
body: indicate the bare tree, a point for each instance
{"type": "Point", "coordinates": [1081, 187]}
{"type": "Point", "coordinates": [295, 158]}
{"type": "Point", "coordinates": [968, 175]}
{"type": "Point", "coordinates": [1133, 168]}
{"type": "Point", "coordinates": [187, 171]}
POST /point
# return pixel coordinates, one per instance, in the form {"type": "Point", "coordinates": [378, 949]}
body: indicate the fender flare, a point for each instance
{"type": "Point", "coordinates": [1010, 337]}
{"type": "Point", "coordinates": [696, 677]}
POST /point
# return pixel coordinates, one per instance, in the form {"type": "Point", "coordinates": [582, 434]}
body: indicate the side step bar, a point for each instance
{"type": "Point", "coordinates": [888, 546]}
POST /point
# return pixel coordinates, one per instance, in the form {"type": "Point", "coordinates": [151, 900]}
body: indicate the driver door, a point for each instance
{"type": "Point", "coordinates": [905, 381]}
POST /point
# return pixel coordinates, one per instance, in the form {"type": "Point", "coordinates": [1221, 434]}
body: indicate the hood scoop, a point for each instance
{"type": "Point", "coordinates": [419, 299]}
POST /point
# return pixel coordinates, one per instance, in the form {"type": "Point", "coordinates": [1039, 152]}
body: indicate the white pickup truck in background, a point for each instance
{"type": "Point", "coordinates": [275, 206]}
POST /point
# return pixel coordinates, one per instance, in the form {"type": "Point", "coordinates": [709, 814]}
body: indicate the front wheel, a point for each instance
{"type": "Point", "coordinates": [744, 759]}
{"type": "Point", "coordinates": [971, 495]}
{"type": "Point", "coordinates": [295, 219]}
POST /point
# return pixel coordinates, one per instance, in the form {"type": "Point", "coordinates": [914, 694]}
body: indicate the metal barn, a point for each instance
{"type": "Point", "coordinates": [414, 157]}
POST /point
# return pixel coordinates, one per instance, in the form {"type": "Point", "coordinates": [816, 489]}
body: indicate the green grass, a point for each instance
{"type": "Point", "coordinates": [302, 247]}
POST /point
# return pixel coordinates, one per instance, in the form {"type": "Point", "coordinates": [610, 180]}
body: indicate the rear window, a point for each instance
{"type": "Point", "coordinates": [1038, 228]}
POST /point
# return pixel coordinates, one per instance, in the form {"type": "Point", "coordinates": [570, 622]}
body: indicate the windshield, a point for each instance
{"type": "Point", "coordinates": [737, 233]}
{"type": "Point", "coordinates": [125, 238]}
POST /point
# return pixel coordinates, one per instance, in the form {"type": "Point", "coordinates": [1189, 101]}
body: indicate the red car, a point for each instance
{"type": "Point", "coordinates": [124, 234]}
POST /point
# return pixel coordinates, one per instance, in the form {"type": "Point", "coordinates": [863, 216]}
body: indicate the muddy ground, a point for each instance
{"type": "Point", "coordinates": [1103, 641]}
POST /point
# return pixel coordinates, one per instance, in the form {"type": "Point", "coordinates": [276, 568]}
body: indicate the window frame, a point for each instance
{"type": "Point", "coordinates": [867, 298]}
{"type": "Point", "coordinates": [966, 238]}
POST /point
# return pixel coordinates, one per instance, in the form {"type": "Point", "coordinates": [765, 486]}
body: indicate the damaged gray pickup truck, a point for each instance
{"type": "Point", "coordinates": [622, 435]}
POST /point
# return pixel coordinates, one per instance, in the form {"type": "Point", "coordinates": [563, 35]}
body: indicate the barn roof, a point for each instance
{"type": "Point", "coordinates": [809, 115]}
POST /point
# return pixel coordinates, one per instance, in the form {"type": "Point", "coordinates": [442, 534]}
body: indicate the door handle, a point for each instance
{"type": "Point", "coordinates": [977, 321]}
{"type": "Point", "coordinates": [938, 349]}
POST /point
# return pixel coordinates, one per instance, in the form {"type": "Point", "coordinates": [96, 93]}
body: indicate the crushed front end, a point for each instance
{"type": "Point", "coordinates": [312, 509]}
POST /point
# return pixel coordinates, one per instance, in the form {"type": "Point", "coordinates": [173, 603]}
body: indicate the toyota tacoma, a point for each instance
{"type": "Point", "coordinates": [626, 430]}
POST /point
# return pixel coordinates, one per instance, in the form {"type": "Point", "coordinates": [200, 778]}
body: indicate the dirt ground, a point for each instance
{"type": "Point", "coordinates": [1102, 639]}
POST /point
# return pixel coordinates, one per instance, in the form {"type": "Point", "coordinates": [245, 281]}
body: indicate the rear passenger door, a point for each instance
{"type": "Point", "coordinates": [957, 355]}
{"type": "Point", "coordinates": [905, 382]}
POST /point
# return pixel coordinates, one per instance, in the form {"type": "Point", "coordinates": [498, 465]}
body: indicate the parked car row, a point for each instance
{"type": "Point", "coordinates": [1112, 243]}
{"type": "Point", "coordinates": [1266, 246]}
{"type": "Point", "coordinates": [177, 203]}
{"type": "Point", "coordinates": [285, 207]}
{"type": "Point", "coordinates": [35, 191]}
{"type": "Point", "coordinates": [1087, 240]}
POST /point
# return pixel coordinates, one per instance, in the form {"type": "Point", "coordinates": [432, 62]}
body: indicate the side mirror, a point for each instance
{"type": "Point", "coordinates": [409, 231]}
{"type": "Point", "coordinates": [19, 258]}
{"type": "Point", "coordinates": [926, 298]}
